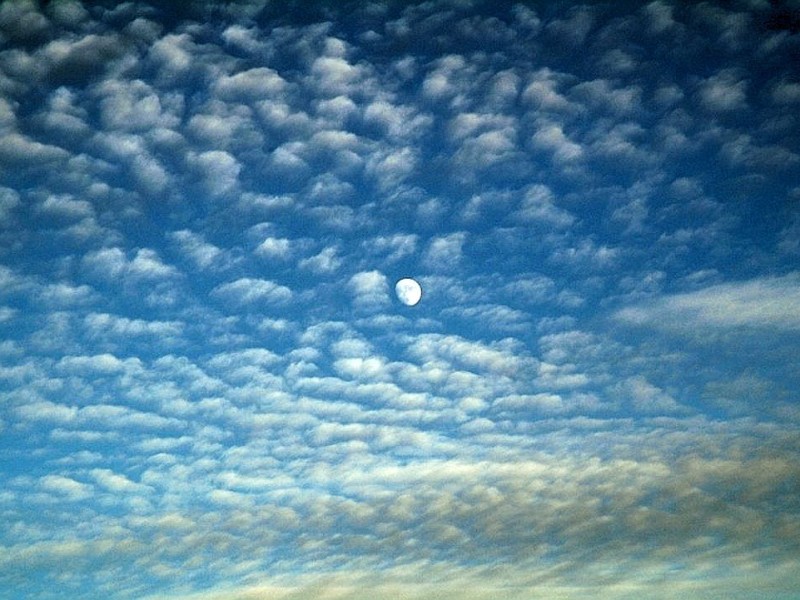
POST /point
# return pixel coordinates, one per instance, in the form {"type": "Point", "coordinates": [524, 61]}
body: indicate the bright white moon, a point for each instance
{"type": "Point", "coordinates": [408, 291]}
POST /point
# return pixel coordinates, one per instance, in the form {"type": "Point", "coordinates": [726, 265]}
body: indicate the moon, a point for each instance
{"type": "Point", "coordinates": [408, 291]}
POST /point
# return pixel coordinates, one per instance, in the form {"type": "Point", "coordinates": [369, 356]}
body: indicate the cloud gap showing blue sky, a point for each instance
{"type": "Point", "coordinates": [209, 389]}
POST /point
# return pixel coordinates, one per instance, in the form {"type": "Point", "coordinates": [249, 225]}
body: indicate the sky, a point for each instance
{"type": "Point", "coordinates": [209, 389]}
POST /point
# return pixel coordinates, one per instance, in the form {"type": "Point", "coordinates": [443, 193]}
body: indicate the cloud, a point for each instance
{"type": "Point", "coordinates": [116, 483]}
{"type": "Point", "coordinates": [551, 137]}
{"type": "Point", "coordinates": [762, 303]}
{"type": "Point", "coordinates": [274, 248]}
{"type": "Point", "coordinates": [112, 263]}
{"type": "Point", "coordinates": [219, 170]}
{"type": "Point", "coordinates": [132, 106]}
{"type": "Point", "coordinates": [99, 363]}
{"type": "Point", "coordinates": [248, 290]}
{"type": "Point", "coordinates": [209, 391]}
{"type": "Point", "coordinates": [123, 327]}
{"type": "Point", "coordinates": [250, 85]}
{"type": "Point", "coordinates": [65, 487]}
{"type": "Point", "coordinates": [202, 253]}
{"type": "Point", "coordinates": [537, 206]}
{"type": "Point", "coordinates": [19, 150]}
{"type": "Point", "coordinates": [445, 252]}
{"type": "Point", "coordinates": [726, 91]}
{"type": "Point", "coordinates": [370, 289]}
{"type": "Point", "coordinates": [326, 261]}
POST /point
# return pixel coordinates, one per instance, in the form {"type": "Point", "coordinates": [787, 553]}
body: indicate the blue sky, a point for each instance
{"type": "Point", "coordinates": [209, 390]}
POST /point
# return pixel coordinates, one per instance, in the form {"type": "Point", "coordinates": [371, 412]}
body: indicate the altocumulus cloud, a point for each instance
{"type": "Point", "coordinates": [207, 390]}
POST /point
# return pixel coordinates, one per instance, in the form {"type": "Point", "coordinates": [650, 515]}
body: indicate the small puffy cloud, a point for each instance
{"type": "Point", "coordinates": [391, 167]}
{"type": "Point", "coordinates": [333, 75]}
{"type": "Point", "coordinates": [370, 289]}
{"type": "Point", "coordinates": [20, 150]}
{"type": "Point", "coordinates": [249, 290]}
{"type": "Point", "coordinates": [9, 200]}
{"type": "Point", "coordinates": [148, 265]}
{"type": "Point", "coordinates": [218, 169]}
{"type": "Point", "coordinates": [445, 252]}
{"type": "Point", "coordinates": [724, 92]}
{"type": "Point", "coordinates": [149, 174]}
{"type": "Point", "coordinates": [173, 55]}
{"type": "Point", "coordinates": [107, 263]}
{"type": "Point", "coordinates": [743, 150]}
{"type": "Point", "coordinates": [66, 207]}
{"type": "Point", "coordinates": [497, 358]}
{"type": "Point", "coordinates": [99, 363]}
{"type": "Point", "coordinates": [551, 137]}
{"type": "Point", "coordinates": [116, 483]}
{"type": "Point", "coordinates": [645, 397]}
{"type": "Point", "coordinates": [618, 62]}
{"type": "Point", "coordinates": [658, 17]}
{"type": "Point", "coordinates": [65, 487]}
{"type": "Point", "coordinates": [601, 94]}
{"type": "Point", "coordinates": [396, 121]}
{"type": "Point", "coordinates": [446, 78]}
{"type": "Point", "coordinates": [123, 327]}
{"type": "Point", "coordinates": [487, 148]}
{"type": "Point", "coordinates": [255, 84]}
{"type": "Point", "coordinates": [64, 294]}
{"type": "Point", "coordinates": [786, 93]}
{"type": "Point", "coordinates": [244, 38]}
{"type": "Point", "coordinates": [326, 261]}
{"type": "Point", "coordinates": [202, 253]}
{"type": "Point", "coordinates": [542, 91]}
{"type": "Point", "coordinates": [574, 28]}
{"type": "Point", "coordinates": [132, 106]}
{"type": "Point", "coordinates": [587, 253]}
{"type": "Point", "coordinates": [537, 206]}
{"type": "Point", "coordinates": [395, 247]}
{"type": "Point", "coordinates": [274, 248]}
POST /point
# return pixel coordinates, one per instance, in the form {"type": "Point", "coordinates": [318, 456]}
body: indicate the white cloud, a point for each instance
{"type": "Point", "coordinates": [446, 79]}
{"type": "Point", "coordinates": [202, 253]}
{"type": "Point", "coordinates": [537, 206]}
{"type": "Point", "coordinates": [767, 302]}
{"type": "Point", "coordinates": [326, 261]}
{"type": "Point", "coordinates": [587, 253]}
{"type": "Point", "coordinates": [646, 397]}
{"type": "Point", "coordinates": [551, 137]}
{"type": "Point", "coordinates": [395, 247]}
{"type": "Point", "coordinates": [18, 149]}
{"type": "Point", "coordinates": [148, 265]}
{"type": "Point", "coordinates": [218, 169]}
{"type": "Point", "coordinates": [65, 487]}
{"type": "Point", "coordinates": [272, 247]}
{"type": "Point", "coordinates": [247, 290]}
{"type": "Point", "coordinates": [65, 206]}
{"type": "Point", "coordinates": [601, 94]}
{"type": "Point", "coordinates": [170, 179]}
{"type": "Point", "coordinates": [370, 289]}
{"type": "Point", "coordinates": [391, 167]}
{"type": "Point", "coordinates": [726, 91]}
{"type": "Point", "coordinates": [132, 106]}
{"type": "Point", "coordinates": [445, 252]}
{"type": "Point", "coordinates": [254, 84]}
{"type": "Point", "coordinates": [104, 323]}
{"type": "Point", "coordinates": [542, 91]}
{"type": "Point", "coordinates": [116, 483]}
{"type": "Point", "coordinates": [333, 75]}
